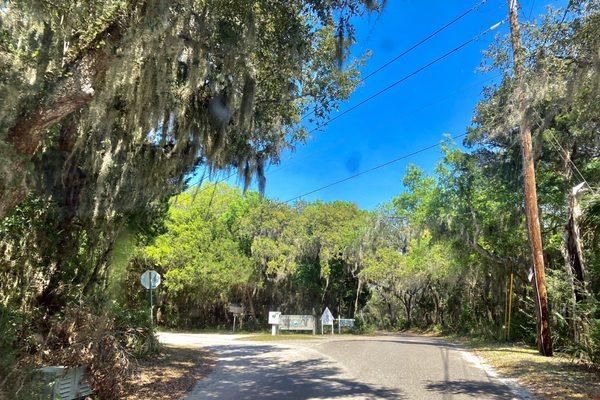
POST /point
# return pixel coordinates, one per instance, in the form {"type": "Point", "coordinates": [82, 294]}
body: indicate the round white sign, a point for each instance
{"type": "Point", "coordinates": [150, 279]}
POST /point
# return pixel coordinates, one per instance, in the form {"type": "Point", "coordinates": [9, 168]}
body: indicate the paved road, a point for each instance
{"type": "Point", "coordinates": [375, 367]}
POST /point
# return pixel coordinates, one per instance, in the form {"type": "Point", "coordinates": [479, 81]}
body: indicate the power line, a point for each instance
{"type": "Point", "coordinates": [411, 111]}
{"type": "Point", "coordinates": [414, 46]}
{"type": "Point", "coordinates": [396, 83]}
{"type": "Point", "coordinates": [410, 75]}
{"type": "Point", "coordinates": [568, 160]}
{"type": "Point", "coordinates": [385, 164]}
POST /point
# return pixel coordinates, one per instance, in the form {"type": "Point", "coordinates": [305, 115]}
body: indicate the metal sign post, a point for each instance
{"type": "Point", "coordinates": [150, 280]}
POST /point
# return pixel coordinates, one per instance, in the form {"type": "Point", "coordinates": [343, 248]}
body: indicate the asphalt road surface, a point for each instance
{"type": "Point", "coordinates": [343, 367]}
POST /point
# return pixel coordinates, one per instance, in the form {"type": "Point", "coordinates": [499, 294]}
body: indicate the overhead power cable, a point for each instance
{"type": "Point", "coordinates": [396, 83]}
{"type": "Point", "coordinates": [410, 75]}
{"type": "Point", "coordinates": [407, 112]}
{"type": "Point", "coordinates": [385, 164]}
{"type": "Point", "coordinates": [567, 158]}
{"type": "Point", "coordinates": [414, 46]}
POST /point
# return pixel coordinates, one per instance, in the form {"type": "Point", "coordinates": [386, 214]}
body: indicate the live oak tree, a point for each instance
{"type": "Point", "coordinates": [108, 106]}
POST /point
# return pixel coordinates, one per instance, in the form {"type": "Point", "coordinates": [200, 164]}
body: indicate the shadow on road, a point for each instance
{"type": "Point", "coordinates": [259, 372]}
{"type": "Point", "coordinates": [476, 389]}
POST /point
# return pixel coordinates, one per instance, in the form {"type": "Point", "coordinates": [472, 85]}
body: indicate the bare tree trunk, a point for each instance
{"type": "Point", "coordinates": [572, 250]}
{"type": "Point", "coordinates": [407, 302]}
{"type": "Point", "coordinates": [358, 288]}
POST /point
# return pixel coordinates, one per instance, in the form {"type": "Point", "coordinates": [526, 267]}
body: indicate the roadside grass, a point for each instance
{"type": "Point", "coordinates": [267, 337]}
{"type": "Point", "coordinates": [558, 377]}
{"type": "Point", "coordinates": [221, 331]}
{"type": "Point", "coordinates": [170, 375]}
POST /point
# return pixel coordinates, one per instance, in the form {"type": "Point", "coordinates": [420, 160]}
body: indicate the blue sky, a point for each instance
{"type": "Point", "coordinates": [415, 114]}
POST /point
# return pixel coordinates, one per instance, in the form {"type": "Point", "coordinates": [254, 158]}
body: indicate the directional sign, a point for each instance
{"type": "Point", "coordinates": [327, 317]}
{"type": "Point", "coordinates": [150, 279]}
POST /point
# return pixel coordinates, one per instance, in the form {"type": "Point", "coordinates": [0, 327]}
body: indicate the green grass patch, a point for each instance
{"type": "Point", "coordinates": [267, 337]}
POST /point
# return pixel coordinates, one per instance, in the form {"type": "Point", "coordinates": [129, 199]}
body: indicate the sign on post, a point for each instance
{"type": "Point", "coordinates": [150, 280]}
{"type": "Point", "coordinates": [274, 319]}
{"type": "Point", "coordinates": [327, 319]}
{"type": "Point", "coordinates": [345, 323]}
{"type": "Point", "coordinates": [236, 309]}
{"type": "Point", "coordinates": [297, 323]}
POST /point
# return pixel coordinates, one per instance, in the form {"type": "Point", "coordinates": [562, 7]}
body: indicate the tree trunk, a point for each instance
{"type": "Point", "coordinates": [572, 250]}
{"type": "Point", "coordinates": [55, 101]}
{"type": "Point", "coordinates": [407, 302]}
{"type": "Point", "coordinates": [358, 288]}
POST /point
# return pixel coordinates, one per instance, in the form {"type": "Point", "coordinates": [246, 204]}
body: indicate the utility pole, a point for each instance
{"type": "Point", "coordinates": [531, 204]}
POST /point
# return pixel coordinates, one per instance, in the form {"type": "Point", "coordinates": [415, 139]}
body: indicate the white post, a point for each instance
{"type": "Point", "coordinates": [151, 301]}
{"type": "Point", "coordinates": [233, 323]}
{"type": "Point", "coordinates": [273, 329]}
{"type": "Point", "coordinates": [339, 324]}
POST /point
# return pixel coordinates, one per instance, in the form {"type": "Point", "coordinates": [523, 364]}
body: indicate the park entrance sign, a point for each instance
{"type": "Point", "coordinates": [291, 322]}
{"type": "Point", "coordinates": [238, 311]}
{"type": "Point", "coordinates": [297, 323]}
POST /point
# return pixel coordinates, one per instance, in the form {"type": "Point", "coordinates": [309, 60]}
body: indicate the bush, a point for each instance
{"type": "Point", "coordinates": [361, 327]}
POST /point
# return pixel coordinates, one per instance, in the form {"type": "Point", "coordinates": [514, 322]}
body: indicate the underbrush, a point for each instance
{"type": "Point", "coordinates": [107, 340]}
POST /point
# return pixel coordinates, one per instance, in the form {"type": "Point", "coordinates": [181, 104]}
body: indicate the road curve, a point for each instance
{"type": "Point", "coordinates": [348, 367]}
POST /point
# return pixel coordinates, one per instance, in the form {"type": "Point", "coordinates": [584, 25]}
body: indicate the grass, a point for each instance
{"type": "Point", "coordinates": [558, 377]}
{"type": "Point", "coordinates": [267, 337]}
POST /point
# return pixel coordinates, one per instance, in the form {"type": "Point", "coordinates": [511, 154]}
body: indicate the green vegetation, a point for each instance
{"type": "Point", "coordinates": [441, 253]}
{"type": "Point", "coordinates": [221, 246]}
{"type": "Point", "coordinates": [109, 107]}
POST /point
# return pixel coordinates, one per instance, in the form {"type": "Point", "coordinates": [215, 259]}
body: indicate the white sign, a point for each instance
{"type": "Point", "coordinates": [274, 317]}
{"type": "Point", "coordinates": [346, 323]}
{"type": "Point", "coordinates": [150, 279]}
{"type": "Point", "coordinates": [327, 317]}
{"type": "Point", "coordinates": [297, 323]}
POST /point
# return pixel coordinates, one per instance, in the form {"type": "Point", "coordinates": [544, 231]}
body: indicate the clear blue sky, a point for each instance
{"type": "Point", "coordinates": [412, 115]}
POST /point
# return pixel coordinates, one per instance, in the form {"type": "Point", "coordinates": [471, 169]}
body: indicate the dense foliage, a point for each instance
{"type": "Point", "coordinates": [221, 247]}
{"type": "Point", "coordinates": [107, 108]}
{"type": "Point", "coordinates": [441, 253]}
{"type": "Point", "coordinates": [468, 221]}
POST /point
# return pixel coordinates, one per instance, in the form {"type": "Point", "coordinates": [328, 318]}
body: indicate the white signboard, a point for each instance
{"type": "Point", "coordinates": [297, 323]}
{"type": "Point", "coordinates": [150, 279]}
{"type": "Point", "coordinates": [327, 317]}
{"type": "Point", "coordinates": [274, 317]}
{"type": "Point", "coordinates": [346, 323]}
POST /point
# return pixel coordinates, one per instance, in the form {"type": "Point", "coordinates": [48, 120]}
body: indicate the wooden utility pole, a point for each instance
{"type": "Point", "coordinates": [531, 204]}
